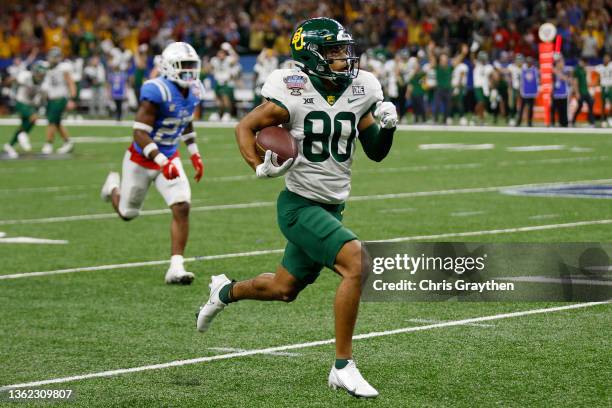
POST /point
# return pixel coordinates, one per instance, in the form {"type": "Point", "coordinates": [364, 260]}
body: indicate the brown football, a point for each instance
{"type": "Point", "coordinates": [279, 141]}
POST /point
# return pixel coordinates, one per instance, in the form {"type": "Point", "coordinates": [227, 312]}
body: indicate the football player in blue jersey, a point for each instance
{"type": "Point", "coordinates": [164, 118]}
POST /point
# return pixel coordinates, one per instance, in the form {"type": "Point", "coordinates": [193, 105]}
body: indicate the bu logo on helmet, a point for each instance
{"type": "Point", "coordinates": [298, 39]}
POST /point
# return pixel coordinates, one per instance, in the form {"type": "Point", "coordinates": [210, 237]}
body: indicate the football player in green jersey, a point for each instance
{"type": "Point", "coordinates": [327, 104]}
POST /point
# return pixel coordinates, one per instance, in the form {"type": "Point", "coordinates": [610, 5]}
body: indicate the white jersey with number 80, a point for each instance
{"type": "Point", "coordinates": [325, 127]}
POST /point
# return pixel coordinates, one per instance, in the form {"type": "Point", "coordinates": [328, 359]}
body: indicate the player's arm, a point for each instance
{"type": "Point", "coordinates": [189, 137]}
{"type": "Point", "coordinates": [71, 89]}
{"type": "Point", "coordinates": [143, 126]}
{"type": "Point", "coordinates": [376, 139]}
{"type": "Point", "coordinates": [266, 114]}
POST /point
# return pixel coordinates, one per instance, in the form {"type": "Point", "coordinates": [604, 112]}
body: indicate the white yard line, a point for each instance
{"type": "Point", "coordinates": [280, 250]}
{"type": "Point", "coordinates": [297, 346]}
{"type": "Point", "coordinates": [273, 353]}
{"type": "Point", "coordinates": [139, 264]}
{"type": "Point", "coordinates": [383, 170]}
{"type": "Point", "coordinates": [429, 321]}
{"type": "Point", "coordinates": [498, 231]}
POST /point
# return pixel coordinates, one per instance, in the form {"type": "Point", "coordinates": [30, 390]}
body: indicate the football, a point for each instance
{"type": "Point", "coordinates": [279, 141]}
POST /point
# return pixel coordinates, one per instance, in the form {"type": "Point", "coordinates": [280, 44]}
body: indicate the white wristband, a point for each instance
{"type": "Point", "coordinates": [188, 136]}
{"type": "Point", "coordinates": [148, 149]}
{"type": "Point", "coordinates": [160, 159]}
{"type": "Point", "coordinates": [193, 149]}
{"type": "Point", "coordinates": [142, 126]}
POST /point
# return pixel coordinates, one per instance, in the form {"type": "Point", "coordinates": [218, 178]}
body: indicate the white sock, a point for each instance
{"type": "Point", "coordinates": [176, 262]}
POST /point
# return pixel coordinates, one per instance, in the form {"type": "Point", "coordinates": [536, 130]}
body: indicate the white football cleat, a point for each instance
{"type": "Point", "coordinates": [226, 117]}
{"type": "Point", "coordinates": [47, 148]}
{"type": "Point", "coordinates": [210, 309]}
{"type": "Point", "coordinates": [67, 147]}
{"type": "Point", "coordinates": [349, 378]}
{"type": "Point", "coordinates": [10, 151]}
{"type": "Point", "coordinates": [214, 117]}
{"type": "Point", "coordinates": [112, 182]}
{"type": "Point", "coordinates": [24, 141]}
{"type": "Point", "coordinates": [179, 276]}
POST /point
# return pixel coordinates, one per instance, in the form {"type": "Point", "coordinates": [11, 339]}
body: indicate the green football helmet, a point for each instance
{"type": "Point", "coordinates": [39, 69]}
{"type": "Point", "coordinates": [317, 43]}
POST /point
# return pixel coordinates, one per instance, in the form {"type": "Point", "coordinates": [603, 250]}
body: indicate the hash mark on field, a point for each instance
{"type": "Point", "coordinates": [398, 210]}
{"type": "Point", "coordinates": [466, 213]}
{"type": "Point", "coordinates": [272, 353]}
{"type": "Point", "coordinates": [543, 216]}
{"type": "Point", "coordinates": [180, 363]}
{"type": "Point", "coordinates": [279, 251]}
{"type": "Point", "coordinates": [429, 321]}
{"type": "Point", "coordinates": [535, 148]}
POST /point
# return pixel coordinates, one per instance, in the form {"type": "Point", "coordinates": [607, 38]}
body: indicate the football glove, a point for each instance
{"type": "Point", "coordinates": [386, 114]}
{"type": "Point", "coordinates": [196, 161]}
{"type": "Point", "coordinates": [268, 169]}
{"type": "Point", "coordinates": [169, 170]}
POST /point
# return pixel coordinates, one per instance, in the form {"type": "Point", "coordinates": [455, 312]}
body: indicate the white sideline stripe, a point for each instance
{"type": "Point", "coordinates": [443, 321]}
{"type": "Point", "coordinates": [273, 353]}
{"type": "Point", "coordinates": [278, 251]}
{"type": "Point", "coordinates": [434, 128]}
{"type": "Point", "coordinates": [180, 363]}
{"type": "Point", "coordinates": [568, 280]}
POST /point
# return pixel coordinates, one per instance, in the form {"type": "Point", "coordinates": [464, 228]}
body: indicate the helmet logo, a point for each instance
{"type": "Point", "coordinates": [331, 99]}
{"type": "Point", "coordinates": [298, 39]}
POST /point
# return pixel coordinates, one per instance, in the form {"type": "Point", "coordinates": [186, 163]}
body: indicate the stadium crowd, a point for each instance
{"type": "Point", "coordinates": [438, 59]}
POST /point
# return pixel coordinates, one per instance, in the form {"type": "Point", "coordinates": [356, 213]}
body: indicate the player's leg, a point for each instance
{"type": "Point", "coordinates": [281, 286]}
{"type": "Point", "coordinates": [530, 111]}
{"type": "Point", "coordinates": [177, 194]}
{"type": "Point", "coordinates": [589, 101]}
{"type": "Point", "coordinates": [578, 109]}
{"type": "Point", "coordinates": [127, 193]}
{"type": "Point", "coordinates": [563, 112]}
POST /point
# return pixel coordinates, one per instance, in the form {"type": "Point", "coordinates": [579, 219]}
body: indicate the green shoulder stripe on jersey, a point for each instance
{"type": "Point", "coordinates": [282, 105]}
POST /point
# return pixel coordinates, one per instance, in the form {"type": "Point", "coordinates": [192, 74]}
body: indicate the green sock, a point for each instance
{"type": "Point", "coordinates": [341, 363]}
{"type": "Point", "coordinates": [13, 141]}
{"type": "Point", "coordinates": [224, 293]}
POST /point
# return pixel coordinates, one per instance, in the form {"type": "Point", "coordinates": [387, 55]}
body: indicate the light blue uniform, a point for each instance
{"type": "Point", "coordinates": [174, 112]}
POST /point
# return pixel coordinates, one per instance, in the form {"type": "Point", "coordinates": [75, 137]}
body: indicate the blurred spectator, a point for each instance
{"type": "Point", "coordinates": [605, 81]}
{"type": "Point", "coordinates": [581, 89]}
{"type": "Point", "coordinates": [561, 87]}
{"type": "Point", "coordinates": [94, 76]}
{"type": "Point", "coordinates": [117, 82]}
{"type": "Point", "coordinates": [530, 82]}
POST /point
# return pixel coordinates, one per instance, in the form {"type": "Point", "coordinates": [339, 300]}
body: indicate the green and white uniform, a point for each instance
{"type": "Point", "coordinates": [224, 71]}
{"type": "Point", "coordinates": [28, 95]}
{"type": "Point", "coordinates": [27, 98]}
{"type": "Point", "coordinates": [482, 81]}
{"type": "Point", "coordinates": [325, 128]}
{"type": "Point", "coordinates": [57, 91]}
{"type": "Point", "coordinates": [605, 79]}
{"type": "Point", "coordinates": [326, 133]}
{"type": "Point", "coordinates": [515, 83]}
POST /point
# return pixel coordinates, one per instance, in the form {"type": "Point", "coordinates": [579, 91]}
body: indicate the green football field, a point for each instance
{"type": "Point", "coordinates": [98, 319]}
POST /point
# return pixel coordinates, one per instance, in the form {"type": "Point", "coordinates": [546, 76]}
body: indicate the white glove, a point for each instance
{"type": "Point", "coordinates": [268, 169]}
{"type": "Point", "coordinates": [386, 114]}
